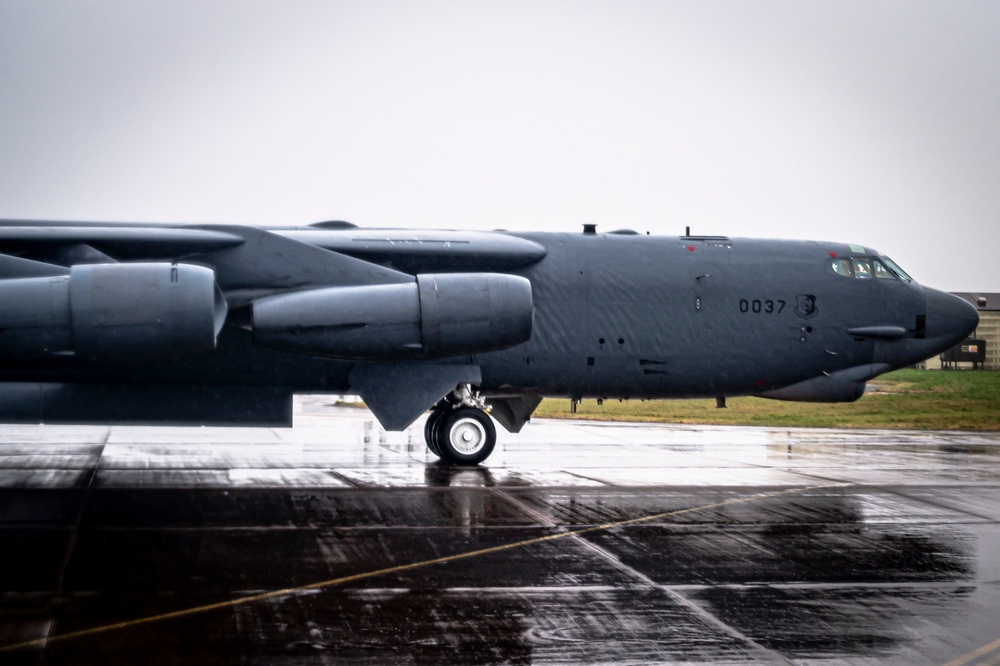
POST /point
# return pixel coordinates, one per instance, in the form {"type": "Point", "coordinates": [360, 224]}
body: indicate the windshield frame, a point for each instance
{"type": "Point", "coordinates": [894, 267]}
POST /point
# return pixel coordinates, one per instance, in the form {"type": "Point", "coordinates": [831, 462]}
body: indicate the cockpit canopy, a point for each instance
{"type": "Point", "coordinates": [866, 268]}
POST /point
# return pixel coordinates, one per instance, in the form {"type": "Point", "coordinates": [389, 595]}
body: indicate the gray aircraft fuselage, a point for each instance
{"type": "Point", "coordinates": [639, 316]}
{"type": "Point", "coordinates": [338, 309]}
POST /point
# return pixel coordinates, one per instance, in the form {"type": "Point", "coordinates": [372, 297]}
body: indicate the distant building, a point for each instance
{"type": "Point", "coordinates": [989, 325]}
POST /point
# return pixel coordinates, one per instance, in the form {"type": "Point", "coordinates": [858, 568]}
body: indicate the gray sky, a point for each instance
{"type": "Point", "coordinates": [857, 121]}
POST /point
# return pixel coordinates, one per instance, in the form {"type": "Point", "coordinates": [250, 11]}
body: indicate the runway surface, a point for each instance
{"type": "Point", "coordinates": [333, 542]}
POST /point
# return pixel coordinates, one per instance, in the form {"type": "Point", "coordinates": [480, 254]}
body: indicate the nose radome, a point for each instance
{"type": "Point", "coordinates": [950, 319]}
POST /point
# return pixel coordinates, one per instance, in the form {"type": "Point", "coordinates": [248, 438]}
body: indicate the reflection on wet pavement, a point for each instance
{"type": "Point", "coordinates": [335, 542]}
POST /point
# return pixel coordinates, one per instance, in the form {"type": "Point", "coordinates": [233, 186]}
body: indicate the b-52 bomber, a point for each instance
{"type": "Point", "coordinates": [221, 324]}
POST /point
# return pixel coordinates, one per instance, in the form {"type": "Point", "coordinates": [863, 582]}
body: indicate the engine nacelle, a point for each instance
{"type": "Point", "coordinates": [111, 311]}
{"type": "Point", "coordinates": [439, 315]}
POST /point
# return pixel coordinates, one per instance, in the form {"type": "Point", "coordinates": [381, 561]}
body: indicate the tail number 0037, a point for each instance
{"type": "Point", "coordinates": [758, 306]}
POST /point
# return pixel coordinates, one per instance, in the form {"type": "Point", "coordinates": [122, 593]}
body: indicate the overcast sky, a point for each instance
{"type": "Point", "coordinates": [864, 122]}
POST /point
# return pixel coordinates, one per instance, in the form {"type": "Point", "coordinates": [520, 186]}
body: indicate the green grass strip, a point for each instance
{"type": "Point", "coordinates": [905, 399]}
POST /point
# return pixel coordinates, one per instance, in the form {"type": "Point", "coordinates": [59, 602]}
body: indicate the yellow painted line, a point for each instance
{"type": "Point", "coordinates": [242, 601]}
{"type": "Point", "coordinates": [966, 658]}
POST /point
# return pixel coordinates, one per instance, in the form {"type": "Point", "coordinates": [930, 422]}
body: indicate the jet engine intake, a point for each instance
{"type": "Point", "coordinates": [112, 311]}
{"type": "Point", "coordinates": [438, 315]}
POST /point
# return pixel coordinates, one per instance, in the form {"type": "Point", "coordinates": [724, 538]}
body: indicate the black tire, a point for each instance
{"type": "Point", "coordinates": [465, 436]}
{"type": "Point", "coordinates": [430, 428]}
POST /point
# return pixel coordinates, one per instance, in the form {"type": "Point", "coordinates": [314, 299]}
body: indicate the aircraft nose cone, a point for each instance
{"type": "Point", "coordinates": [950, 319]}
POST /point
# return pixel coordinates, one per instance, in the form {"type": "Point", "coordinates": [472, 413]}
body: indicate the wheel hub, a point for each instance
{"type": "Point", "coordinates": [468, 436]}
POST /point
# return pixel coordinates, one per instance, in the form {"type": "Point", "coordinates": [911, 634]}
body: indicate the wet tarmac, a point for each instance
{"type": "Point", "coordinates": [334, 542]}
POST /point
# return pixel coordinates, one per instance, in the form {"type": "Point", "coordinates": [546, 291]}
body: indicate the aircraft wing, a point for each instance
{"type": "Point", "coordinates": [406, 309]}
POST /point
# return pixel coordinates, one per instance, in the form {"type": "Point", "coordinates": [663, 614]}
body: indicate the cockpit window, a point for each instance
{"type": "Point", "coordinates": [894, 267]}
{"type": "Point", "coordinates": [881, 272]}
{"type": "Point", "coordinates": [842, 267]}
{"type": "Point", "coordinates": [865, 268]}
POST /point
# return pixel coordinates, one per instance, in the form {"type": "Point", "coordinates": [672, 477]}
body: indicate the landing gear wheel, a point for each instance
{"type": "Point", "coordinates": [430, 430]}
{"type": "Point", "coordinates": [465, 436]}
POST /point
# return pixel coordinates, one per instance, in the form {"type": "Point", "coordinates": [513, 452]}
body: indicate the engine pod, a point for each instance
{"type": "Point", "coordinates": [438, 315]}
{"type": "Point", "coordinates": [477, 312]}
{"type": "Point", "coordinates": [112, 311]}
{"type": "Point", "coordinates": [135, 309]}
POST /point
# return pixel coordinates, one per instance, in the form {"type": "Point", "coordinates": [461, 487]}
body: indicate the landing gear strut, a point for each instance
{"type": "Point", "coordinates": [458, 430]}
